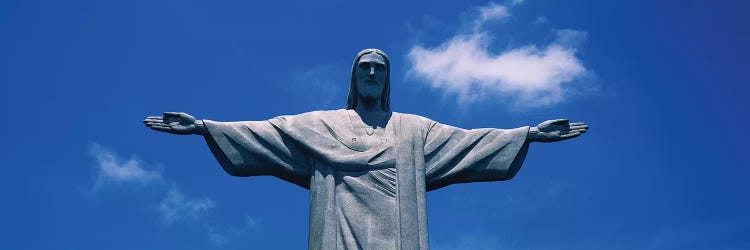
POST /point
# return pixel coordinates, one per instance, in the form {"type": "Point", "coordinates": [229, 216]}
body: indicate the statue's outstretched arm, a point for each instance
{"type": "Point", "coordinates": [178, 123]}
{"type": "Point", "coordinates": [556, 130]}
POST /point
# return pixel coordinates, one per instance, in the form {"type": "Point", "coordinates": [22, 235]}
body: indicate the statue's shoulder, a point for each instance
{"type": "Point", "coordinates": [325, 113]}
{"type": "Point", "coordinates": [413, 119]}
{"type": "Point", "coordinates": [320, 115]}
{"type": "Point", "coordinates": [316, 114]}
{"type": "Point", "coordinates": [312, 119]}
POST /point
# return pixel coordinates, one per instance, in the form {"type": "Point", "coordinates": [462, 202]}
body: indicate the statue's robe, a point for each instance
{"type": "Point", "coordinates": [360, 197]}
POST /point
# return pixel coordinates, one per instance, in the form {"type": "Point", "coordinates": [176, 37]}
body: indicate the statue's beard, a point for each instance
{"type": "Point", "coordinates": [369, 100]}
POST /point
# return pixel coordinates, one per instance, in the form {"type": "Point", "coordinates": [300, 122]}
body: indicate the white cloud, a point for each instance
{"type": "Point", "coordinates": [111, 169]}
{"type": "Point", "coordinates": [465, 65]}
{"type": "Point", "coordinates": [491, 12]}
{"type": "Point", "coordinates": [176, 206]}
{"type": "Point", "coordinates": [570, 38]}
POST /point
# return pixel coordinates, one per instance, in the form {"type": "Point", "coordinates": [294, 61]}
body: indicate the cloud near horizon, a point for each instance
{"type": "Point", "coordinates": [464, 65]}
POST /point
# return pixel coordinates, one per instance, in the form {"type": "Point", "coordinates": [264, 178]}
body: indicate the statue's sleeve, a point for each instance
{"type": "Point", "coordinates": [454, 155]}
{"type": "Point", "coordinates": [251, 148]}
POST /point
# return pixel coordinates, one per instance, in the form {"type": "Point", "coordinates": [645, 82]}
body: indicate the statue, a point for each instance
{"type": "Point", "coordinates": [367, 168]}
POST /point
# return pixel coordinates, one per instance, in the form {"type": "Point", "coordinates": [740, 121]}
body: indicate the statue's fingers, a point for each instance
{"type": "Point", "coordinates": [577, 129]}
{"type": "Point", "coordinates": [157, 126]}
{"type": "Point", "coordinates": [572, 127]}
{"type": "Point", "coordinates": [154, 117]}
{"type": "Point", "coordinates": [567, 132]}
{"type": "Point", "coordinates": [150, 124]}
{"type": "Point", "coordinates": [161, 128]}
{"type": "Point", "coordinates": [577, 123]}
{"type": "Point", "coordinates": [570, 135]}
{"type": "Point", "coordinates": [153, 120]}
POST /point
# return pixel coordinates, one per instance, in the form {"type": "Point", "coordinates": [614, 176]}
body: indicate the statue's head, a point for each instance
{"type": "Point", "coordinates": [371, 73]}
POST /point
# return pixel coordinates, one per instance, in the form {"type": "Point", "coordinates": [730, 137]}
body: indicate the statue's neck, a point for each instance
{"type": "Point", "coordinates": [368, 106]}
{"type": "Point", "coordinates": [372, 117]}
{"type": "Point", "coordinates": [371, 112]}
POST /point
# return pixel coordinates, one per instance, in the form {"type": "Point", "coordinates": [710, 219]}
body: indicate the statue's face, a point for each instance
{"type": "Point", "coordinates": [371, 74]}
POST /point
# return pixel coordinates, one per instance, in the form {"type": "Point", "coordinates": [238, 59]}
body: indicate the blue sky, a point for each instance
{"type": "Point", "coordinates": [662, 84]}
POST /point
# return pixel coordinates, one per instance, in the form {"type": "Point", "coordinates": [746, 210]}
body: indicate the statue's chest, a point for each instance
{"type": "Point", "coordinates": [362, 152]}
{"type": "Point", "coordinates": [364, 138]}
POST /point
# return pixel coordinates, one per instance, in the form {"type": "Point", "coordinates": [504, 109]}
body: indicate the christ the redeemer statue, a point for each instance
{"type": "Point", "coordinates": [367, 168]}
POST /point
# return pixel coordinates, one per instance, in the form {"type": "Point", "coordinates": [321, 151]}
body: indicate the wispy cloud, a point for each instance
{"type": "Point", "coordinates": [217, 237]}
{"type": "Point", "coordinates": [111, 169]}
{"type": "Point", "coordinates": [253, 223]}
{"type": "Point", "coordinates": [540, 20]}
{"type": "Point", "coordinates": [490, 12]}
{"type": "Point", "coordinates": [223, 236]}
{"type": "Point", "coordinates": [466, 66]}
{"type": "Point", "coordinates": [176, 206]}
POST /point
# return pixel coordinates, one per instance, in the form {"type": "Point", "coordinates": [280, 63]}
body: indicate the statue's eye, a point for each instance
{"type": "Point", "coordinates": [364, 65]}
{"type": "Point", "coordinates": [379, 67]}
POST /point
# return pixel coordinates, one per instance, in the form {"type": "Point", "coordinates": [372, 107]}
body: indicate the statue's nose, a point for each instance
{"type": "Point", "coordinates": [372, 72]}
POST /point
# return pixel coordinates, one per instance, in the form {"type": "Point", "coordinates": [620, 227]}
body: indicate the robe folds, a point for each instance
{"type": "Point", "coordinates": [366, 197]}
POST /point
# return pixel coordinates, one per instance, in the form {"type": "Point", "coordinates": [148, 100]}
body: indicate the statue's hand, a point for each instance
{"type": "Point", "coordinates": [175, 123]}
{"type": "Point", "coordinates": [556, 130]}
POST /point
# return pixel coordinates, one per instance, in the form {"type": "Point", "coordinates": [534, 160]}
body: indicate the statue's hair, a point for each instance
{"type": "Point", "coordinates": [385, 97]}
